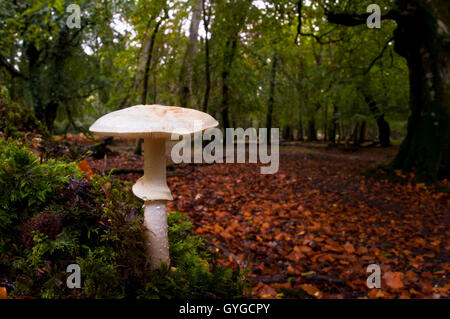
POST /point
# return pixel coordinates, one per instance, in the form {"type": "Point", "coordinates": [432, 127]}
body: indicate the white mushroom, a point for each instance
{"type": "Point", "coordinates": [155, 124]}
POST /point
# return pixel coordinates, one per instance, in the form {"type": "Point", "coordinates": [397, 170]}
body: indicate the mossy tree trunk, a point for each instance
{"type": "Point", "coordinates": [422, 38]}
{"type": "Point", "coordinates": [423, 41]}
{"type": "Point", "coordinates": [47, 80]}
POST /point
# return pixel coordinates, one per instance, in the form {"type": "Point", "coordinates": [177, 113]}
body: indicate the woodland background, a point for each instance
{"type": "Point", "coordinates": [364, 166]}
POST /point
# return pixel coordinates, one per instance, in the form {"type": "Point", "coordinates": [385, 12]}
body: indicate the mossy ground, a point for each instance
{"type": "Point", "coordinates": [51, 215]}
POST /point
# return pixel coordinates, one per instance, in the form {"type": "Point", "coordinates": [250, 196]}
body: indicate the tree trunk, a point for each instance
{"type": "Point", "coordinates": [48, 83]}
{"type": "Point", "coordinates": [354, 137]}
{"type": "Point", "coordinates": [325, 126]}
{"type": "Point", "coordinates": [312, 133]}
{"type": "Point", "coordinates": [334, 125]}
{"type": "Point", "coordinates": [206, 20]}
{"type": "Point", "coordinates": [300, 125]}
{"type": "Point", "coordinates": [148, 55]}
{"type": "Point", "coordinates": [141, 75]}
{"type": "Point", "coordinates": [148, 62]}
{"type": "Point", "coordinates": [34, 80]}
{"type": "Point", "coordinates": [273, 75]}
{"type": "Point", "coordinates": [288, 133]}
{"type": "Point", "coordinates": [384, 130]}
{"type": "Point", "coordinates": [302, 96]}
{"type": "Point", "coordinates": [186, 67]}
{"type": "Point", "coordinates": [420, 40]}
{"type": "Point", "coordinates": [362, 133]}
{"type": "Point", "coordinates": [228, 61]}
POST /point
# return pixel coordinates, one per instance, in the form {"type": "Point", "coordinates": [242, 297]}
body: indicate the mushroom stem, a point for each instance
{"type": "Point", "coordinates": [155, 220]}
{"type": "Point", "coordinates": [153, 189]}
{"type": "Point", "coordinates": [153, 185]}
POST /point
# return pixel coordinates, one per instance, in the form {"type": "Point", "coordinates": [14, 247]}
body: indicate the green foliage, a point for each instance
{"type": "Point", "coordinates": [26, 185]}
{"type": "Point", "coordinates": [100, 275]}
{"type": "Point", "coordinates": [17, 120]}
{"type": "Point", "coordinates": [50, 218]}
{"type": "Point", "coordinates": [312, 77]}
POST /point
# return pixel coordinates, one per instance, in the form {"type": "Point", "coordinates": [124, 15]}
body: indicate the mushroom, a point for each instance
{"type": "Point", "coordinates": [155, 124]}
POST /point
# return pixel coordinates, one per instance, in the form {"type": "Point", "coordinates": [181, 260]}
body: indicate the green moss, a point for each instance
{"type": "Point", "coordinates": [50, 217]}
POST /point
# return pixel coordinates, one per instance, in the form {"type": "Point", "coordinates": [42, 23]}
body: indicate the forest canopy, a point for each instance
{"type": "Point", "coordinates": [296, 65]}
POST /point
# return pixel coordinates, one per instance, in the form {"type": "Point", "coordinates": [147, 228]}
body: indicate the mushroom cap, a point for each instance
{"type": "Point", "coordinates": [155, 120]}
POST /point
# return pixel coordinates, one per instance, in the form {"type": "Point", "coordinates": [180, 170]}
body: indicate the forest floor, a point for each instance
{"type": "Point", "coordinates": [311, 230]}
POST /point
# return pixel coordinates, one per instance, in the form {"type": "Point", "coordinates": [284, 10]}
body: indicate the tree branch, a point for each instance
{"type": "Point", "coordinates": [354, 19]}
{"type": "Point", "coordinates": [379, 56]}
{"type": "Point", "coordinates": [318, 38]}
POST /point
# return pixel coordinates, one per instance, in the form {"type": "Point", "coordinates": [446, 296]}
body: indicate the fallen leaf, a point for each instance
{"type": "Point", "coordinates": [311, 290]}
{"type": "Point", "coordinates": [86, 168]}
{"type": "Point", "coordinates": [265, 291]}
{"type": "Point", "coordinates": [394, 280]}
{"type": "Point", "coordinates": [3, 293]}
{"type": "Point", "coordinates": [349, 248]}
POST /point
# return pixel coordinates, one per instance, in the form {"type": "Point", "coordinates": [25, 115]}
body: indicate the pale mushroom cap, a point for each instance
{"type": "Point", "coordinates": [156, 120]}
